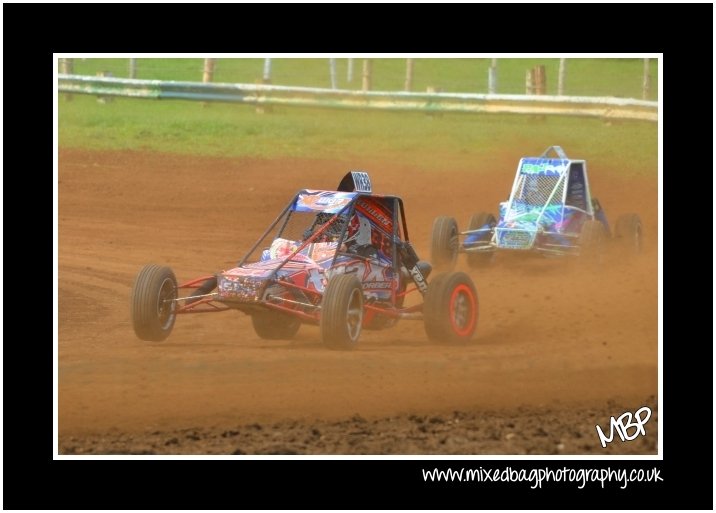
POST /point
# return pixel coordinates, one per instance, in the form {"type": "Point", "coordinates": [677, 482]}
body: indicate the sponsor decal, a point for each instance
{"type": "Point", "coordinates": [381, 217]}
{"type": "Point", "coordinates": [366, 273]}
{"type": "Point", "coordinates": [361, 181]}
{"type": "Point", "coordinates": [377, 285]}
{"type": "Point", "coordinates": [323, 201]}
{"type": "Point", "coordinates": [253, 271]}
{"type": "Point", "coordinates": [543, 166]}
{"type": "Point", "coordinates": [320, 251]}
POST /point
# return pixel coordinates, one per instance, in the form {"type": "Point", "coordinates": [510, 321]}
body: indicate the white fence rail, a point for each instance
{"type": "Point", "coordinates": [431, 102]}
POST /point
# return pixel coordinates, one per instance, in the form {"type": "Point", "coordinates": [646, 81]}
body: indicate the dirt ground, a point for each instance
{"type": "Point", "coordinates": [559, 348]}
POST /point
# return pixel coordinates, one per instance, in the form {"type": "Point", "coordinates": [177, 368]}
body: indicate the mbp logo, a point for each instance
{"type": "Point", "coordinates": [624, 423]}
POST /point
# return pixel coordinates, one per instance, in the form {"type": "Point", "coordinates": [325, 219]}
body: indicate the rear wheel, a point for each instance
{"type": "Point", "coordinates": [153, 303]}
{"type": "Point", "coordinates": [274, 326]}
{"type": "Point", "coordinates": [445, 242]}
{"type": "Point", "coordinates": [591, 241]}
{"type": "Point", "coordinates": [451, 308]}
{"type": "Point", "coordinates": [342, 312]}
{"type": "Point", "coordinates": [484, 258]}
{"type": "Point", "coordinates": [628, 232]}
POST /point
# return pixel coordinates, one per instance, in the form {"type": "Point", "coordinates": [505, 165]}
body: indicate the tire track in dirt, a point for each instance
{"type": "Point", "coordinates": [551, 338]}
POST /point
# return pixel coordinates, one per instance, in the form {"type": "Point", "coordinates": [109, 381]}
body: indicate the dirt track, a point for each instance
{"type": "Point", "coordinates": [557, 349]}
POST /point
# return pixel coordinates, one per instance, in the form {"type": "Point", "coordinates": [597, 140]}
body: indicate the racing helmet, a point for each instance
{"type": "Point", "coordinates": [353, 228]}
{"type": "Point", "coordinates": [358, 230]}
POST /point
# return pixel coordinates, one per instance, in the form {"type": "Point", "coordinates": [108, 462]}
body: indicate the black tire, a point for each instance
{"type": "Point", "coordinates": [480, 259]}
{"type": "Point", "coordinates": [628, 232]}
{"type": "Point", "coordinates": [451, 308]}
{"type": "Point", "coordinates": [445, 242]}
{"type": "Point", "coordinates": [152, 303]}
{"type": "Point", "coordinates": [591, 241]}
{"type": "Point", "coordinates": [342, 312]}
{"type": "Point", "coordinates": [275, 326]}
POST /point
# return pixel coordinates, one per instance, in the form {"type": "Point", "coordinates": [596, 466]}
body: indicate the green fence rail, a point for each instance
{"type": "Point", "coordinates": [262, 94]}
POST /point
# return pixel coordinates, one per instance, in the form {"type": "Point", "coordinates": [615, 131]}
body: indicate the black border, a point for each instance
{"type": "Point", "coordinates": [32, 480]}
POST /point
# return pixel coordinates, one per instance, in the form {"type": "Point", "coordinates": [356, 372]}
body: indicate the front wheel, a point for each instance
{"type": "Point", "coordinates": [275, 326]}
{"type": "Point", "coordinates": [450, 310]}
{"type": "Point", "coordinates": [444, 242]}
{"type": "Point", "coordinates": [342, 312]}
{"type": "Point", "coordinates": [153, 303]}
{"type": "Point", "coordinates": [628, 232]}
{"type": "Point", "coordinates": [591, 241]}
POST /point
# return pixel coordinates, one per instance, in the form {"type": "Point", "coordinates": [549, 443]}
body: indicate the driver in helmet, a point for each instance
{"type": "Point", "coordinates": [358, 237]}
{"type": "Point", "coordinates": [358, 233]}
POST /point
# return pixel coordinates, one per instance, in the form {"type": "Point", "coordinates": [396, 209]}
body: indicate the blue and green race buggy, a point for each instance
{"type": "Point", "coordinates": [550, 211]}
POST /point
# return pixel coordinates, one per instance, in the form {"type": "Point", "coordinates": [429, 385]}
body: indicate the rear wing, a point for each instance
{"type": "Point", "coordinates": [356, 181]}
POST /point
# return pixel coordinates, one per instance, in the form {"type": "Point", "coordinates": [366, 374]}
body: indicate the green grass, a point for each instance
{"type": "Point", "coordinates": [419, 140]}
{"type": "Point", "coordinates": [416, 139]}
{"type": "Point", "coordinates": [591, 77]}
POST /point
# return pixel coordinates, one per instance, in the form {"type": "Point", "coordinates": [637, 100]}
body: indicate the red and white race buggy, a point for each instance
{"type": "Point", "coordinates": [340, 259]}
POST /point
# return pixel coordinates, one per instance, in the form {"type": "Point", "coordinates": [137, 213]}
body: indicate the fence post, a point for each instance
{"type": "Point", "coordinates": [409, 74]}
{"type": "Point", "coordinates": [535, 84]}
{"type": "Point", "coordinates": [492, 77]}
{"type": "Point", "coordinates": [101, 98]}
{"type": "Point", "coordinates": [332, 71]}
{"type": "Point", "coordinates": [646, 87]}
{"type": "Point", "coordinates": [349, 73]}
{"type": "Point", "coordinates": [430, 90]}
{"type": "Point", "coordinates": [67, 66]}
{"type": "Point", "coordinates": [266, 76]}
{"type": "Point", "coordinates": [560, 77]}
{"type": "Point", "coordinates": [265, 79]}
{"type": "Point", "coordinates": [529, 81]}
{"type": "Point", "coordinates": [208, 70]}
{"type": "Point", "coordinates": [208, 75]}
{"type": "Point", "coordinates": [367, 72]}
{"type": "Point", "coordinates": [540, 80]}
{"type": "Point", "coordinates": [132, 68]}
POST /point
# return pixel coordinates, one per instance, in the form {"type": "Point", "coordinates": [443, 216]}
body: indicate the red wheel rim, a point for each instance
{"type": "Point", "coordinates": [463, 310]}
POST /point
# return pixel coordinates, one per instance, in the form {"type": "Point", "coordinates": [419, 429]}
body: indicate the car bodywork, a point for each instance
{"type": "Point", "coordinates": [550, 210]}
{"type": "Point", "coordinates": [549, 202]}
{"type": "Point", "coordinates": [338, 259]}
{"type": "Point", "coordinates": [286, 272]}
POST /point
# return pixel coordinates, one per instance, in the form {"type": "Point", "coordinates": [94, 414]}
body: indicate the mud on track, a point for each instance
{"type": "Point", "coordinates": [558, 348]}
